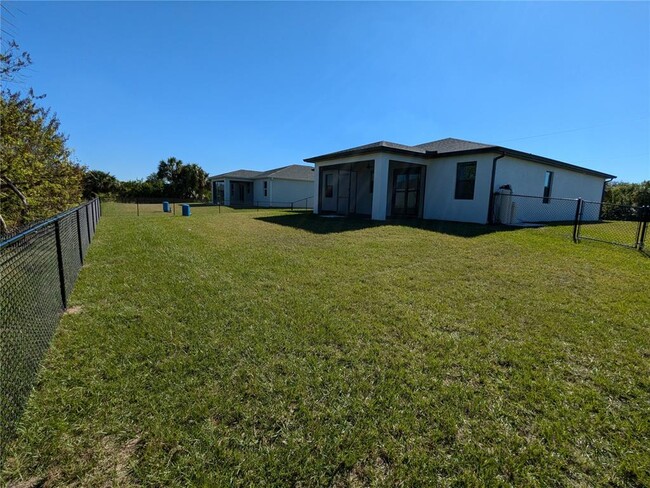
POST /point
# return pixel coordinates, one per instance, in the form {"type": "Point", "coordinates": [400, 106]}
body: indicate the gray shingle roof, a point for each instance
{"type": "Point", "coordinates": [379, 146]}
{"type": "Point", "coordinates": [245, 174]}
{"type": "Point", "coordinates": [449, 146]}
{"type": "Point", "coordinates": [290, 172]}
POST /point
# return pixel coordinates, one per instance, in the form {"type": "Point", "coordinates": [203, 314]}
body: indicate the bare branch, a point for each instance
{"type": "Point", "coordinates": [15, 189]}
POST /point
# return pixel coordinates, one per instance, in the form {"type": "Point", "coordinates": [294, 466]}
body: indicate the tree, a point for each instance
{"type": "Point", "coordinates": [624, 198]}
{"type": "Point", "coordinates": [12, 62]}
{"type": "Point", "coordinates": [37, 176]}
{"type": "Point", "coordinates": [180, 180]}
{"type": "Point", "coordinates": [99, 182]}
{"type": "Point", "coordinates": [622, 193]}
{"type": "Point", "coordinates": [192, 181]}
{"type": "Point", "coordinates": [169, 171]}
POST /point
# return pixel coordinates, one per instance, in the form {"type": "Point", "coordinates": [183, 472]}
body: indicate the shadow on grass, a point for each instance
{"type": "Point", "coordinates": [201, 204]}
{"type": "Point", "coordinates": [329, 225]}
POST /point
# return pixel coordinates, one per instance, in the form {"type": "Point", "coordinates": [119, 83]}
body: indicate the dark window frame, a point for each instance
{"type": "Point", "coordinates": [329, 187]}
{"type": "Point", "coordinates": [266, 188]}
{"type": "Point", "coordinates": [465, 188]}
{"type": "Point", "coordinates": [548, 186]}
{"type": "Point", "coordinates": [219, 191]}
{"type": "Point", "coordinates": [419, 172]}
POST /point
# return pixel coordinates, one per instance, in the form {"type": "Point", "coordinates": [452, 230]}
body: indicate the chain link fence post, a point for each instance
{"type": "Point", "coordinates": [645, 216]}
{"type": "Point", "coordinates": [59, 259]}
{"type": "Point", "coordinates": [576, 221]}
{"type": "Point", "coordinates": [87, 223]}
{"type": "Point", "coordinates": [81, 249]}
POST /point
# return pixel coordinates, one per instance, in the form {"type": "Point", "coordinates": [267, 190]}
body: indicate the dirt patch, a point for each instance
{"type": "Point", "coordinates": [112, 463]}
{"type": "Point", "coordinates": [366, 472]}
{"type": "Point", "coordinates": [36, 481]}
{"type": "Point", "coordinates": [125, 455]}
{"type": "Point", "coordinates": [73, 310]}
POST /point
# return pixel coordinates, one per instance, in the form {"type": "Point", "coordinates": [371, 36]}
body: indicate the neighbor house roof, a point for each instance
{"type": "Point", "coordinates": [244, 174]}
{"type": "Point", "coordinates": [449, 147]}
{"type": "Point", "coordinates": [290, 172]}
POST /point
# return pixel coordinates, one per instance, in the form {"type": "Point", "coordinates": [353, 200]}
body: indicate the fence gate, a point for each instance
{"type": "Point", "coordinates": [623, 225]}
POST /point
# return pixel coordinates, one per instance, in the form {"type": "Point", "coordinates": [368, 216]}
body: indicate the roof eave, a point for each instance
{"type": "Point", "coordinates": [482, 150]}
{"type": "Point", "coordinates": [361, 152]}
{"type": "Point", "coordinates": [229, 177]}
{"type": "Point", "coordinates": [523, 155]}
{"type": "Point", "coordinates": [554, 162]}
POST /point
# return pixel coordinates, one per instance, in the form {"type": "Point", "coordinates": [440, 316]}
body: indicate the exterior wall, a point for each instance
{"type": "Point", "coordinates": [284, 192]}
{"type": "Point", "coordinates": [527, 178]}
{"type": "Point", "coordinates": [439, 197]}
{"type": "Point", "coordinates": [316, 188]}
{"type": "Point", "coordinates": [380, 198]}
{"type": "Point", "coordinates": [281, 192]}
{"type": "Point", "coordinates": [439, 187]}
{"type": "Point", "coordinates": [258, 192]}
{"type": "Point", "coordinates": [439, 202]}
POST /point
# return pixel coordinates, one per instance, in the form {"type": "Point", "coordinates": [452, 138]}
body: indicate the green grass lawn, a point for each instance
{"type": "Point", "coordinates": [619, 232]}
{"type": "Point", "coordinates": [276, 348]}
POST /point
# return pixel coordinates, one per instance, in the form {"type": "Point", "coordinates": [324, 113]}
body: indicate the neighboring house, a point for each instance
{"type": "Point", "coordinates": [279, 187]}
{"type": "Point", "coordinates": [449, 179]}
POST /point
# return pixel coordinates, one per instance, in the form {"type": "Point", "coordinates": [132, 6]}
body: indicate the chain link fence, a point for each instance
{"type": "Point", "coordinates": [142, 206]}
{"type": "Point", "coordinates": [38, 268]}
{"type": "Point", "coordinates": [532, 211]}
{"type": "Point", "coordinates": [624, 225]}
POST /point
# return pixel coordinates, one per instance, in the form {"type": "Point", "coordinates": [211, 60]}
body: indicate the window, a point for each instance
{"type": "Point", "coordinates": [548, 183]}
{"type": "Point", "coordinates": [329, 185]}
{"type": "Point", "coordinates": [465, 179]}
{"type": "Point", "coordinates": [266, 188]}
{"type": "Point", "coordinates": [218, 192]}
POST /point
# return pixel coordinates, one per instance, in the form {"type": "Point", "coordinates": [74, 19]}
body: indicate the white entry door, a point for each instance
{"type": "Point", "coordinates": [329, 191]}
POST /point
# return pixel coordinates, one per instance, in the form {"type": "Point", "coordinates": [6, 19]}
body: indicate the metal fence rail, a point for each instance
{"type": "Point", "coordinates": [528, 210]}
{"type": "Point", "coordinates": [38, 269]}
{"type": "Point", "coordinates": [623, 225]}
{"type": "Point", "coordinates": [142, 206]}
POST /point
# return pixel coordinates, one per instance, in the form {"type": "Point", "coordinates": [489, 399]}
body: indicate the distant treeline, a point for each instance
{"type": "Point", "coordinates": [634, 194]}
{"type": "Point", "coordinates": [38, 176]}
{"type": "Point", "coordinates": [174, 179]}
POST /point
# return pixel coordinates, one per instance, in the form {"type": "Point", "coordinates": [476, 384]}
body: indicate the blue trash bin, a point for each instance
{"type": "Point", "coordinates": [186, 210]}
{"type": "Point", "coordinates": [166, 207]}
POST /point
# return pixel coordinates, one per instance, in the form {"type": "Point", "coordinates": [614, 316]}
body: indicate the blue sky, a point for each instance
{"type": "Point", "coordinates": [261, 85]}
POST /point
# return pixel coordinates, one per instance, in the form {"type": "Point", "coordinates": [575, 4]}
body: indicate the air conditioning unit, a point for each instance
{"type": "Point", "coordinates": [506, 206]}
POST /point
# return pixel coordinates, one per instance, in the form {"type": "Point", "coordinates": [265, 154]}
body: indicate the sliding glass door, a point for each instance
{"type": "Point", "coordinates": [406, 192]}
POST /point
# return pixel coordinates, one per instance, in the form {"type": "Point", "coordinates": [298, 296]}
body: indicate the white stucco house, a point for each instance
{"type": "Point", "coordinates": [279, 187]}
{"type": "Point", "coordinates": [448, 179]}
